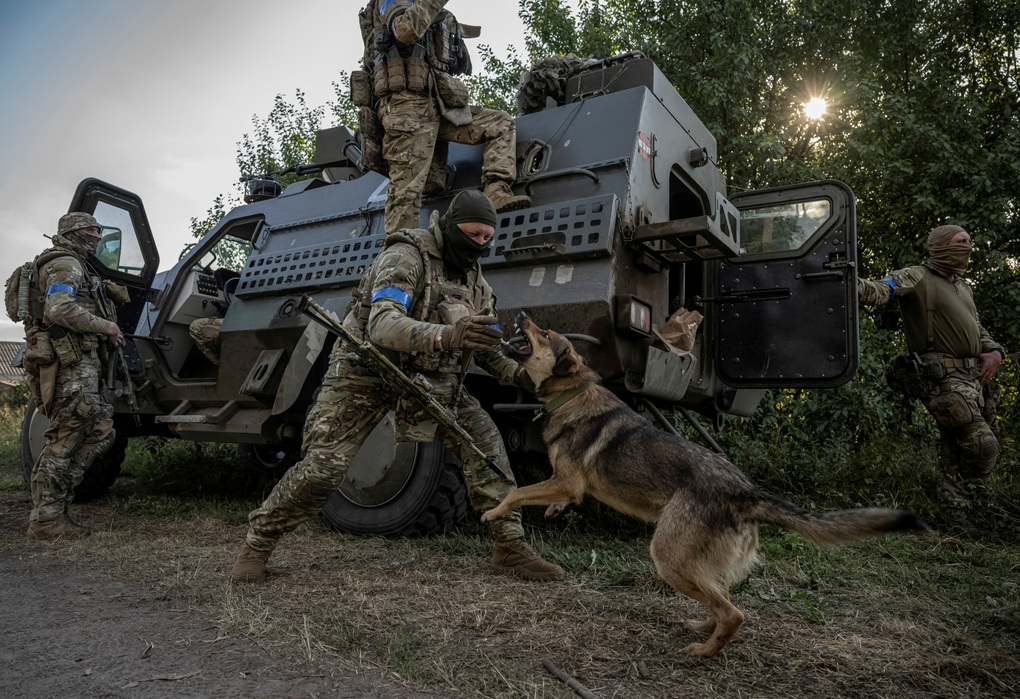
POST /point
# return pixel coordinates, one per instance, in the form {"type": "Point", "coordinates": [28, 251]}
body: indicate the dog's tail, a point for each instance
{"type": "Point", "coordinates": [839, 527]}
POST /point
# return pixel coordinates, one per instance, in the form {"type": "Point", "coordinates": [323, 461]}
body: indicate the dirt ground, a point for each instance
{"type": "Point", "coordinates": [144, 608]}
{"type": "Point", "coordinates": [72, 630]}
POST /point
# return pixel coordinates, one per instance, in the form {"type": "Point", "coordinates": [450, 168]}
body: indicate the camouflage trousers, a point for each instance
{"type": "Point", "coordinates": [349, 406]}
{"type": "Point", "coordinates": [206, 334]}
{"type": "Point", "coordinates": [968, 448]}
{"type": "Point", "coordinates": [413, 133]}
{"type": "Point", "coordinates": [81, 429]}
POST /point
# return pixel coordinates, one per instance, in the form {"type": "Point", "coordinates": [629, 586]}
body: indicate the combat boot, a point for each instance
{"type": "Point", "coordinates": [250, 565]}
{"type": "Point", "coordinates": [504, 199]}
{"type": "Point", "coordinates": [63, 527]}
{"type": "Point", "coordinates": [517, 558]}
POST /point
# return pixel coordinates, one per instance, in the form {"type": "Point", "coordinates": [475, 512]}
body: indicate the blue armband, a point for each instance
{"type": "Point", "coordinates": [392, 292]}
{"type": "Point", "coordinates": [57, 288]}
{"type": "Point", "coordinates": [386, 3]}
{"type": "Point", "coordinates": [891, 284]}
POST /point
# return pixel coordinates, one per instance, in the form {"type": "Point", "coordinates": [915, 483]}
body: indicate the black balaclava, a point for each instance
{"type": "Point", "coordinates": [947, 258]}
{"type": "Point", "coordinates": [460, 253]}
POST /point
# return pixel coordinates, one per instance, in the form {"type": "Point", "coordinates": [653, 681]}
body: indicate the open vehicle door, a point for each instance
{"type": "Point", "coordinates": [787, 306]}
{"type": "Point", "coordinates": [126, 253]}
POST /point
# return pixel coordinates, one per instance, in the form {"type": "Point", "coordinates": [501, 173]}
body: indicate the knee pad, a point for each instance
{"type": "Point", "coordinates": [980, 449]}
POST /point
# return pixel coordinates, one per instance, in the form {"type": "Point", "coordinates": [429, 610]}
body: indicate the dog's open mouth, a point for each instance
{"type": "Point", "coordinates": [517, 348]}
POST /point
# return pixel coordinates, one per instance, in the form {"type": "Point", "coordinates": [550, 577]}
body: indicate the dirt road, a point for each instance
{"type": "Point", "coordinates": [73, 631]}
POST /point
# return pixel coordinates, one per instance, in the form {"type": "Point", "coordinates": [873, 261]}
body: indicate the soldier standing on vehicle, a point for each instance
{"type": "Point", "coordinates": [413, 51]}
{"type": "Point", "coordinates": [951, 364]}
{"type": "Point", "coordinates": [65, 384]}
{"type": "Point", "coordinates": [425, 303]}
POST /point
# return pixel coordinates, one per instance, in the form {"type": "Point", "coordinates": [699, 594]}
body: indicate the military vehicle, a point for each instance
{"type": "Point", "coordinates": [631, 221]}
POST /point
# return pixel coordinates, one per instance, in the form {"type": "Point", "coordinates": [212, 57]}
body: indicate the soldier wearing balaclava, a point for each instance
{"type": "Point", "coordinates": [949, 367]}
{"type": "Point", "coordinates": [64, 337]}
{"type": "Point", "coordinates": [425, 302]}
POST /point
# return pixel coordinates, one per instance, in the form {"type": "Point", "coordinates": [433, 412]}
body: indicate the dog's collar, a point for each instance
{"type": "Point", "coordinates": [561, 400]}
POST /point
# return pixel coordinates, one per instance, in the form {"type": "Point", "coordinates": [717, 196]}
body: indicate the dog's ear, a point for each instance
{"type": "Point", "coordinates": [566, 363]}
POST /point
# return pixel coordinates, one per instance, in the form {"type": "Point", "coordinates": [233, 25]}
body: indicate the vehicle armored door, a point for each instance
{"type": "Point", "coordinates": [786, 307]}
{"type": "Point", "coordinates": [126, 253]}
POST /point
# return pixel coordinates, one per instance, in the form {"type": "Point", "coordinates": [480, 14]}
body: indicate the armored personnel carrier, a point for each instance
{"type": "Point", "coordinates": [631, 222]}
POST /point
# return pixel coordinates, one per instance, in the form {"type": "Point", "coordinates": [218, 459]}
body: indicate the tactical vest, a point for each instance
{"type": "Point", "coordinates": [440, 300]}
{"type": "Point", "coordinates": [394, 66]}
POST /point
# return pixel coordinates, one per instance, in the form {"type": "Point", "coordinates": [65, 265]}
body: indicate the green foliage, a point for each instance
{"type": "Point", "coordinates": [922, 124]}
{"type": "Point", "coordinates": [12, 410]}
{"type": "Point", "coordinates": [175, 467]}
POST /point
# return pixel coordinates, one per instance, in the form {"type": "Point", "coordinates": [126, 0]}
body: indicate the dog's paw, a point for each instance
{"type": "Point", "coordinates": [703, 650]}
{"type": "Point", "coordinates": [489, 516]}
{"type": "Point", "coordinates": [554, 510]}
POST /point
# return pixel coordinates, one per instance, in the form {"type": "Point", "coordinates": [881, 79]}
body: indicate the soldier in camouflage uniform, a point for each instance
{"type": "Point", "coordinates": [67, 390]}
{"type": "Point", "coordinates": [959, 359]}
{"type": "Point", "coordinates": [413, 50]}
{"type": "Point", "coordinates": [425, 303]}
{"type": "Point", "coordinates": [206, 331]}
{"type": "Point", "coordinates": [206, 334]}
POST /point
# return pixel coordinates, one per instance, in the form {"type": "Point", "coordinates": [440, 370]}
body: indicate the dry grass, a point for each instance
{"type": "Point", "coordinates": [899, 618]}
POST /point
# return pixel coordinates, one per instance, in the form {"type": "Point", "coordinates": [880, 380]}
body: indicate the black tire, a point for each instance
{"type": "Point", "coordinates": [432, 500]}
{"type": "Point", "coordinates": [100, 476]}
{"type": "Point", "coordinates": [267, 458]}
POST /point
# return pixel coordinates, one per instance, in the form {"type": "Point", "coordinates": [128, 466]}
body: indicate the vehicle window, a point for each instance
{"type": "Point", "coordinates": [229, 252]}
{"type": "Point", "coordinates": [118, 247]}
{"type": "Point", "coordinates": [782, 228]}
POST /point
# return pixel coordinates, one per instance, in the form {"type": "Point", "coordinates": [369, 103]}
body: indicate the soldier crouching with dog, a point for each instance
{"type": "Point", "coordinates": [425, 303]}
{"type": "Point", "coordinates": [950, 366]}
{"type": "Point", "coordinates": [65, 332]}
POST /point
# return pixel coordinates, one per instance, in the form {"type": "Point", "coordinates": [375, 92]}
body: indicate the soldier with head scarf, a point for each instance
{"type": "Point", "coordinates": [64, 379]}
{"type": "Point", "coordinates": [414, 103]}
{"type": "Point", "coordinates": [954, 360]}
{"type": "Point", "coordinates": [424, 302]}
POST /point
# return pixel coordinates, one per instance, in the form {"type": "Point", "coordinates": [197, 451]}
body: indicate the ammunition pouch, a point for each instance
{"type": "Point", "coordinates": [950, 410]}
{"type": "Point", "coordinates": [67, 350]}
{"type": "Point", "coordinates": [452, 91]}
{"type": "Point", "coordinates": [417, 73]}
{"type": "Point", "coordinates": [39, 350]}
{"type": "Point", "coordinates": [392, 72]}
{"type": "Point", "coordinates": [361, 89]}
{"type": "Point", "coordinates": [909, 375]}
{"type": "Point", "coordinates": [458, 116]}
{"type": "Point", "coordinates": [371, 132]}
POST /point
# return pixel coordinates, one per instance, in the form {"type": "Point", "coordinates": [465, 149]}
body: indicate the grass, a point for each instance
{"type": "Point", "coordinates": [904, 616]}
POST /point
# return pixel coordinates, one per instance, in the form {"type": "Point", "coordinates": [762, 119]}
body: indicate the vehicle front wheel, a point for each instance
{"type": "Point", "coordinates": [98, 478]}
{"type": "Point", "coordinates": [399, 489]}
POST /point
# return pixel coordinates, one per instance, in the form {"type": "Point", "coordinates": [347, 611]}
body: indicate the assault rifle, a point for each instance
{"type": "Point", "coordinates": [117, 360]}
{"type": "Point", "coordinates": [418, 388]}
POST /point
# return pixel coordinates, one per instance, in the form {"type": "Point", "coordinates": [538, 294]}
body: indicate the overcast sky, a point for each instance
{"type": "Point", "coordinates": [153, 96]}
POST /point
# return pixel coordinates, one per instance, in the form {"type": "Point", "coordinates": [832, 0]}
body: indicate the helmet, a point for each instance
{"type": "Point", "coordinates": [76, 220]}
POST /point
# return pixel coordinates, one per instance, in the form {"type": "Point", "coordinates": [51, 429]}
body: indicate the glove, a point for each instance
{"type": "Point", "coordinates": [116, 293]}
{"type": "Point", "coordinates": [471, 333]}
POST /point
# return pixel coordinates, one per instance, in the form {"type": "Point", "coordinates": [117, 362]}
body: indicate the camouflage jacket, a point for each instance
{"type": "Point", "coordinates": [422, 29]}
{"type": "Point", "coordinates": [70, 293]}
{"type": "Point", "coordinates": [939, 314]}
{"type": "Point", "coordinates": [410, 299]}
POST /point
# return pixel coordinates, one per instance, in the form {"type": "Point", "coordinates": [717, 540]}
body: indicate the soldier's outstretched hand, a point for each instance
{"type": "Point", "coordinates": [472, 333]}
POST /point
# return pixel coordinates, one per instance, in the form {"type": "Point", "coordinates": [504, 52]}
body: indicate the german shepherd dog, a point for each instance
{"type": "Point", "coordinates": [707, 510]}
